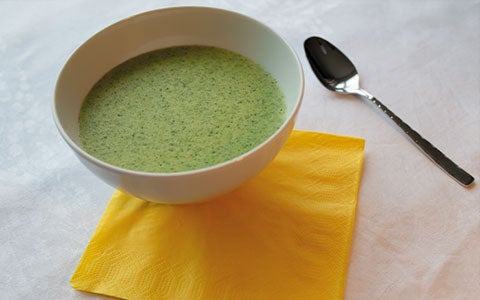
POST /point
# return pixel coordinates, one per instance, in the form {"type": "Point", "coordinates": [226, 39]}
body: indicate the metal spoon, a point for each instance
{"type": "Point", "coordinates": [337, 73]}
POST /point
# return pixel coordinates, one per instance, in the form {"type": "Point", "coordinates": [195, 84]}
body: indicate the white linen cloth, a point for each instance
{"type": "Point", "coordinates": [417, 233]}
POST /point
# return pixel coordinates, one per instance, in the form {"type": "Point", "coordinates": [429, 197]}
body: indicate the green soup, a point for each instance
{"type": "Point", "coordinates": [180, 108]}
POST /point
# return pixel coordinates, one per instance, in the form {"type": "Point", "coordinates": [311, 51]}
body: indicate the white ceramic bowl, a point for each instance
{"type": "Point", "coordinates": [172, 27]}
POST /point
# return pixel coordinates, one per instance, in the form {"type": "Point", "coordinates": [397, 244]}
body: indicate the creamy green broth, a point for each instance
{"type": "Point", "coordinates": [180, 108]}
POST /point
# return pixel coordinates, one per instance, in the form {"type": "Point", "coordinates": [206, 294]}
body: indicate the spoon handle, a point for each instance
{"type": "Point", "coordinates": [430, 150]}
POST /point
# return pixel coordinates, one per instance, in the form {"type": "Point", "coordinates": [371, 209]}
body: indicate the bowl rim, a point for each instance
{"type": "Point", "coordinates": [104, 165]}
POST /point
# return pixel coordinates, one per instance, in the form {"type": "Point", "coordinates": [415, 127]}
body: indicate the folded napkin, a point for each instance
{"type": "Point", "coordinates": [285, 234]}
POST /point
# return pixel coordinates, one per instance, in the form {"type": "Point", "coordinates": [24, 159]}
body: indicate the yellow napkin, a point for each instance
{"type": "Point", "coordinates": [285, 234]}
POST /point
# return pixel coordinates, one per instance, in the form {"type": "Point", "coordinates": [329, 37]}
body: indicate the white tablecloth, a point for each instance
{"type": "Point", "coordinates": [417, 232]}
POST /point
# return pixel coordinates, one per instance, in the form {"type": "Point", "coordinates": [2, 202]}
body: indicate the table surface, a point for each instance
{"type": "Point", "coordinates": [417, 232]}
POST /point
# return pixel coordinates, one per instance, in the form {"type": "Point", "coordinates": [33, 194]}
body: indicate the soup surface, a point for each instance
{"type": "Point", "coordinates": [180, 108]}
